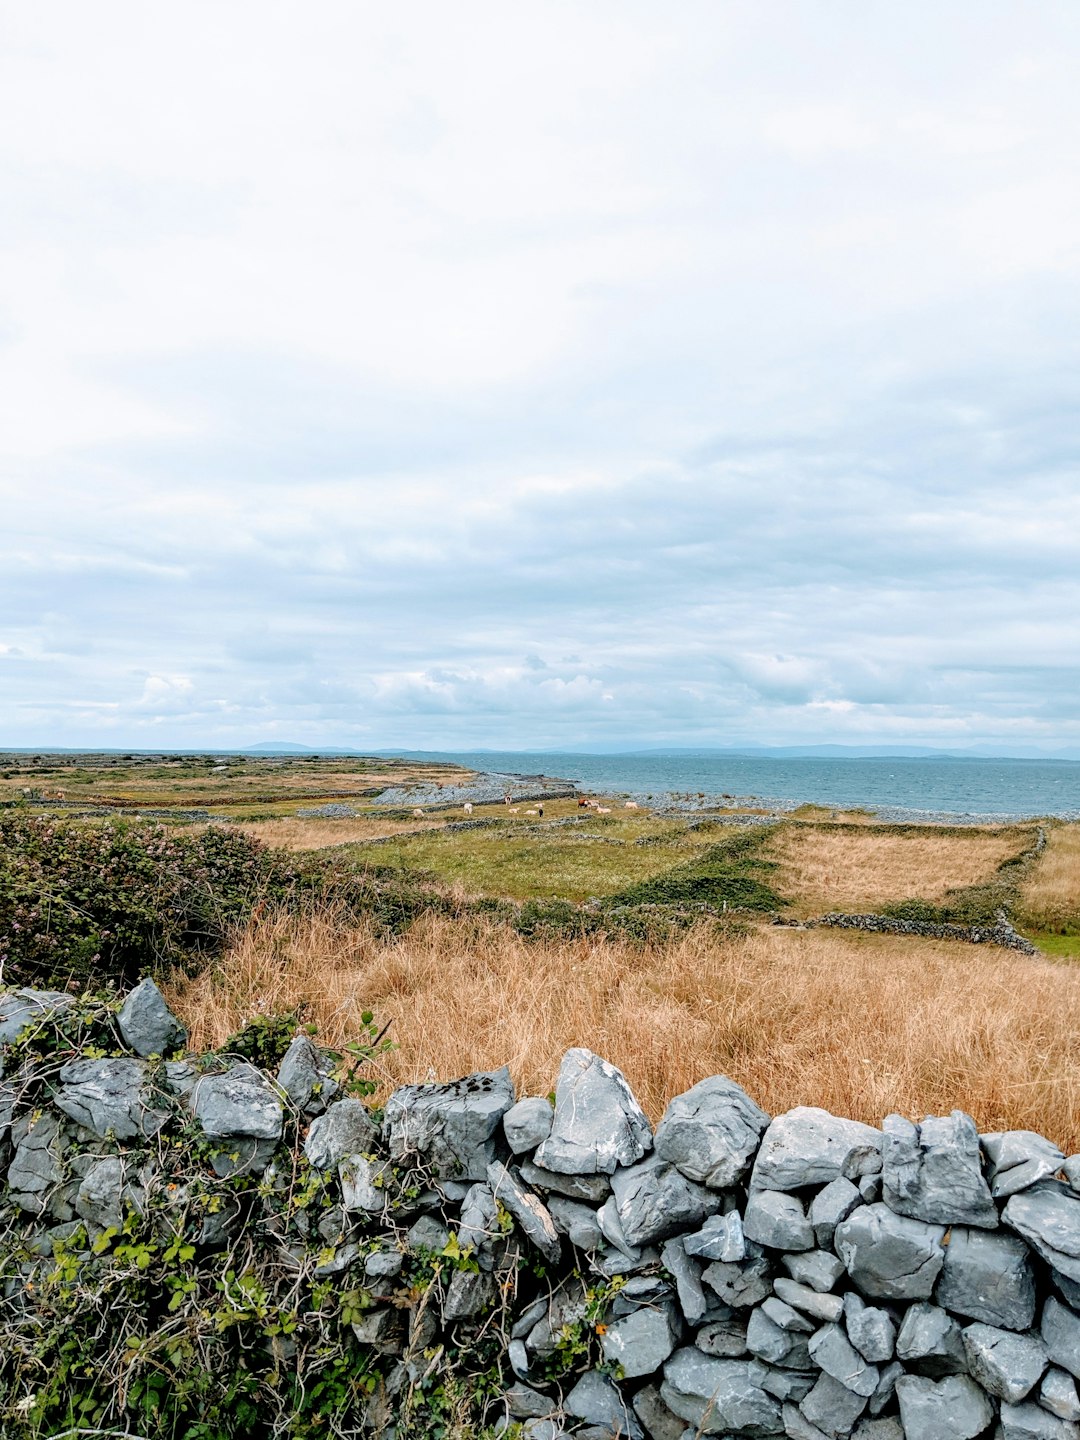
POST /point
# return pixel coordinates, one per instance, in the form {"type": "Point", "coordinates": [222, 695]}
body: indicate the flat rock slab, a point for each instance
{"type": "Point", "coordinates": [450, 1129]}
{"type": "Point", "coordinates": [988, 1277]}
{"type": "Point", "coordinates": [527, 1209]}
{"type": "Point", "coordinates": [1005, 1364]}
{"type": "Point", "coordinates": [711, 1132]}
{"type": "Point", "coordinates": [238, 1102]}
{"type": "Point", "coordinates": [950, 1409]}
{"type": "Point", "coordinates": [598, 1123]}
{"type": "Point", "coordinates": [654, 1200]}
{"type": "Point", "coordinates": [808, 1146]}
{"type": "Point", "coordinates": [20, 1009]}
{"type": "Point", "coordinates": [889, 1256]}
{"type": "Point", "coordinates": [1018, 1160]}
{"type": "Point", "coordinates": [933, 1171]}
{"type": "Point", "coordinates": [107, 1096]}
{"type": "Point", "coordinates": [1048, 1217]}
{"type": "Point", "coordinates": [717, 1396]}
{"type": "Point", "coordinates": [1061, 1335]}
{"type": "Point", "coordinates": [344, 1129]}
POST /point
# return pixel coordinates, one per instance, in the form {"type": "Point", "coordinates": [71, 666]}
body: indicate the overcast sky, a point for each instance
{"type": "Point", "coordinates": [440, 375]}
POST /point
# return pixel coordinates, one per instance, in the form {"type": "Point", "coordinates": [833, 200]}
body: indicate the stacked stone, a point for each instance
{"type": "Point", "coordinates": [803, 1275]}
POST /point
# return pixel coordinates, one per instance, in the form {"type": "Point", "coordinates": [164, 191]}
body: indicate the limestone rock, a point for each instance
{"type": "Point", "coordinates": [1048, 1217]}
{"type": "Point", "coordinates": [589, 1189]}
{"type": "Point", "coordinates": [147, 1024]}
{"type": "Point", "coordinates": [820, 1269]}
{"type": "Point", "coordinates": [930, 1342]}
{"type": "Point", "coordinates": [933, 1171]}
{"type": "Point", "coordinates": [658, 1420]}
{"type": "Point", "coordinates": [451, 1128]}
{"type": "Point", "coordinates": [831, 1205]}
{"type": "Point", "coordinates": [528, 1124]}
{"type": "Point", "coordinates": [809, 1301]}
{"type": "Point", "coordinates": [20, 1009]}
{"type": "Point", "coordinates": [642, 1341]}
{"type": "Point", "coordinates": [305, 1076]}
{"type": "Point", "coordinates": [988, 1277]}
{"type": "Point", "coordinates": [344, 1129]}
{"type": "Point", "coordinates": [1019, 1159]}
{"type": "Point", "coordinates": [832, 1407]}
{"type": "Point", "coordinates": [597, 1401]}
{"type": "Point", "coordinates": [598, 1123]}
{"type": "Point", "coordinates": [870, 1329]}
{"type": "Point", "coordinates": [37, 1164]}
{"type": "Point", "coordinates": [950, 1409]}
{"type": "Point", "coordinates": [720, 1238]}
{"type": "Point", "coordinates": [107, 1096]}
{"type": "Point", "coordinates": [576, 1221]}
{"type": "Point", "coordinates": [655, 1200]}
{"type": "Point", "coordinates": [1060, 1333]}
{"type": "Point", "coordinates": [687, 1275]}
{"type": "Point", "coordinates": [527, 1209]}
{"type": "Point", "coordinates": [772, 1343]}
{"type": "Point", "coordinates": [740, 1283]}
{"type": "Point", "coordinates": [777, 1220]}
{"type": "Point", "coordinates": [808, 1146]}
{"type": "Point", "coordinates": [1058, 1394]}
{"type": "Point", "coordinates": [718, 1396]}
{"type": "Point", "coordinates": [889, 1256]}
{"type": "Point", "coordinates": [711, 1132]}
{"type": "Point", "coordinates": [100, 1196]}
{"type": "Point", "coordinates": [1031, 1422]}
{"type": "Point", "coordinates": [1005, 1364]}
{"type": "Point", "coordinates": [831, 1349]}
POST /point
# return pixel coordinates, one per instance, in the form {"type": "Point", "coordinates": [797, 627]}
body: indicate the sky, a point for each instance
{"type": "Point", "coordinates": [532, 376]}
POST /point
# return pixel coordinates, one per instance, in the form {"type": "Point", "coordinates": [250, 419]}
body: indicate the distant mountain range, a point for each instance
{"type": "Point", "coordinates": [772, 752]}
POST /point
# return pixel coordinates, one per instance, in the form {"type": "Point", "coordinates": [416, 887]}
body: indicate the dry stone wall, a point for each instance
{"type": "Point", "coordinates": [729, 1274]}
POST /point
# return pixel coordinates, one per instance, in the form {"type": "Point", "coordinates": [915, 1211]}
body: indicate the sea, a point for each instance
{"type": "Point", "coordinates": [956, 789]}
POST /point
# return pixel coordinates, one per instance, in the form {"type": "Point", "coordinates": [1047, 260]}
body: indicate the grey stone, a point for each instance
{"type": "Point", "coordinates": [565, 1307]}
{"type": "Point", "coordinates": [1060, 1331]}
{"type": "Point", "coordinates": [933, 1171]}
{"type": "Point", "coordinates": [100, 1196]}
{"type": "Point", "coordinates": [718, 1395]}
{"type": "Point", "coordinates": [1069, 1290]}
{"type": "Point", "coordinates": [544, 1429]}
{"type": "Point", "coordinates": [1031, 1422]}
{"type": "Point", "coordinates": [8, 1095]}
{"type": "Point", "coordinates": [364, 1183]}
{"type": "Point", "coordinates": [1005, 1364]}
{"type": "Point", "coordinates": [239, 1101]}
{"type": "Point", "coordinates": [658, 1420]}
{"type": "Point", "coordinates": [711, 1132]}
{"type": "Point", "coordinates": [778, 1220]}
{"type": "Point", "coordinates": [831, 1205]}
{"type": "Point", "coordinates": [720, 1238]}
{"type": "Point", "coordinates": [768, 1341]}
{"type": "Point", "coordinates": [341, 1259]}
{"type": "Point", "coordinates": [518, 1358]}
{"type": "Point", "coordinates": [950, 1409]}
{"type": "Point", "coordinates": [180, 1077]}
{"type": "Point", "coordinates": [655, 1200]}
{"type": "Point", "coordinates": [1048, 1217]}
{"type": "Point", "coordinates": [596, 1400]}
{"type": "Point", "coordinates": [641, 1342]}
{"type": "Point", "coordinates": [384, 1264]}
{"type": "Point", "coordinates": [687, 1276]}
{"type": "Point", "coordinates": [598, 1123]}
{"type": "Point", "coordinates": [576, 1221]}
{"type": "Point", "coordinates": [831, 1349]}
{"type": "Point", "coordinates": [988, 1277]}
{"type": "Point", "coordinates": [450, 1129]}
{"type": "Point", "coordinates": [106, 1096]}
{"type": "Point", "coordinates": [21, 1009]}
{"type": "Point", "coordinates": [528, 1123]}
{"type": "Point", "coordinates": [740, 1283]}
{"type": "Point", "coordinates": [811, 1302]}
{"type": "Point", "coordinates": [888, 1428]}
{"type": "Point", "coordinates": [1019, 1159]}
{"type": "Point", "coordinates": [590, 1189]}
{"type": "Point", "coordinates": [607, 1217]}
{"type": "Point", "coordinates": [870, 1188]}
{"type": "Point", "coordinates": [382, 1330]}
{"type": "Point", "coordinates": [638, 1291]}
{"type": "Point", "coordinates": [870, 1329]}
{"type": "Point", "coordinates": [1071, 1171]}
{"type": "Point", "coordinates": [1058, 1394]}
{"type": "Point", "coordinates": [817, 1268]}
{"type": "Point", "coordinates": [726, 1338]}
{"type": "Point", "coordinates": [527, 1209]}
{"type": "Point", "coordinates": [469, 1294]}
{"type": "Point", "coordinates": [792, 1385]}
{"type": "Point", "coordinates": [525, 1403]}
{"type": "Point", "coordinates": [797, 1427]}
{"type": "Point", "coordinates": [612, 1261]}
{"type": "Point", "coordinates": [345, 1129]}
{"type": "Point", "coordinates": [37, 1164]}
{"type": "Point", "coordinates": [883, 1395]}
{"type": "Point", "coordinates": [786, 1316]}
{"type": "Point", "coordinates": [889, 1256]}
{"type": "Point", "coordinates": [930, 1342]}
{"type": "Point", "coordinates": [305, 1074]}
{"type": "Point", "coordinates": [808, 1146]}
{"type": "Point", "coordinates": [832, 1407]}
{"type": "Point", "coordinates": [147, 1024]}
{"type": "Point", "coordinates": [427, 1234]}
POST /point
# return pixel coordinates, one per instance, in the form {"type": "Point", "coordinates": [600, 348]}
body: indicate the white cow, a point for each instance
{"type": "Point", "coordinates": [631, 805]}
{"type": "Point", "coordinates": [419, 814]}
{"type": "Point", "coordinates": [467, 807]}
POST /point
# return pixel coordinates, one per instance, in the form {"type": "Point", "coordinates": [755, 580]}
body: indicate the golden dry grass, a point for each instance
{"type": "Point", "coordinates": [1050, 898]}
{"type": "Point", "coordinates": [297, 832]}
{"type": "Point", "coordinates": [860, 1024]}
{"type": "Point", "coordinates": [838, 869]}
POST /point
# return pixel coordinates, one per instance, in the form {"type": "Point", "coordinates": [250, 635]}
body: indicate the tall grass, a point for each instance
{"type": "Point", "coordinates": [1050, 897]}
{"type": "Point", "coordinates": [859, 1024]}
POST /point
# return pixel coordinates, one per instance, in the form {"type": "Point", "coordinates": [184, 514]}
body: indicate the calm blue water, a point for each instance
{"type": "Point", "coordinates": [897, 786]}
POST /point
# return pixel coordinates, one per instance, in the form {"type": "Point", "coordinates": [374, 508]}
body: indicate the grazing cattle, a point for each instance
{"type": "Point", "coordinates": [467, 807]}
{"type": "Point", "coordinates": [530, 812]}
{"type": "Point", "coordinates": [582, 801]}
{"type": "Point", "coordinates": [513, 809]}
{"type": "Point", "coordinates": [603, 809]}
{"type": "Point", "coordinates": [419, 814]}
{"type": "Point", "coordinates": [631, 805]}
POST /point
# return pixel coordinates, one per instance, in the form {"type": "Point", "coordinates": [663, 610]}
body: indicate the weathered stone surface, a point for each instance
{"type": "Point", "coordinates": [1031, 1422]}
{"type": "Point", "coordinates": [528, 1123]}
{"type": "Point", "coordinates": [740, 1283]}
{"type": "Point", "coordinates": [20, 1009]}
{"type": "Point", "coordinates": [787, 1317]}
{"type": "Point", "coordinates": [37, 1164]}
{"type": "Point", "coordinates": [1071, 1171]}
{"type": "Point", "coordinates": [598, 1123]}
{"type": "Point", "coordinates": [527, 1209]}
{"type": "Point", "coordinates": [809, 1301]}
{"type": "Point", "coordinates": [147, 1024]}
{"type": "Point", "coordinates": [589, 1189]}
{"type": "Point", "coordinates": [718, 1396]}
{"type": "Point", "coordinates": [107, 1096]}
{"type": "Point", "coordinates": [808, 1146]}
{"type": "Point", "coordinates": [988, 1277]}
{"type": "Point", "coordinates": [239, 1101]}
{"type": "Point", "coordinates": [797, 1427]}
{"type": "Point", "coordinates": [777, 1220]}
{"type": "Point", "coordinates": [1060, 1333]}
{"type": "Point", "coordinates": [831, 1349]}
{"type": "Point", "coordinates": [832, 1407]}
{"type": "Point", "coordinates": [576, 1221]}
{"type": "Point", "coordinates": [427, 1233]}
{"type": "Point", "coordinates": [305, 1074]}
{"type": "Point", "coordinates": [889, 1256]}
{"type": "Point", "coordinates": [469, 1294]}
{"type": "Point", "coordinates": [597, 1401]}
{"type": "Point", "coordinates": [363, 1183]}
{"type": "Point", "coordinates": [711, 1132]}
{"type": "Point", "coordinates": [831, 1205]}
{"type": "Point", "coordinates": [345, 1129]}
{"type": "Point", "coordinates": [785, 1385]}
{"type": "Point", "coordinates": [100, 1196]}
{"type": "Point", "coordinates": [687, 1275]}
{"type": "Point", "coordinates": [1005, 1364]}
{"type": "Point", "coordinates": [1058, 1394]}
{"type": "Point", "coordinates": [1019, 1159]}
{"type": "Point", "coordinates": [726, 1338]}
{"type": "Point", "coordinates": [819, 1269]}
{"type": "Point", "coordinates": [655, 1200]}
{"type": "Point", "coordinates": [882, 1396]}
{"type": "Point", "coordinates": [930, 1342]}
{"type": "Point", "coordinates": [950, 1409]}
{"type": "Point", "coordinates": [642, 1341]}
{"type": "Point", "coordinates": [772, 1343]}
{"type": "Point", "coordinates": [888, 1428]}
{"type": "Point", "coordinates": [525, 1403]}
{"type": "Point", "coordinates": [658, 1420]}
{"type": "Point", "coordinates": [720, 1238]}
{"type": "Point", "coordinates": [449, 1129]}
{"type": "Point", "coordinates": [933, 1171]}
{"type": "Point", "coordinates": [1048, 1217]}
{"type": "Point", "coordinates": [870, 1329]}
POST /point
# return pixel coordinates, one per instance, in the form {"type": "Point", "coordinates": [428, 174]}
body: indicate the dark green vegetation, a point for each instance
{"type": "Point", "coordinates": [729, 875]}
{"type": "Point", "coordinates": [975, 904]}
